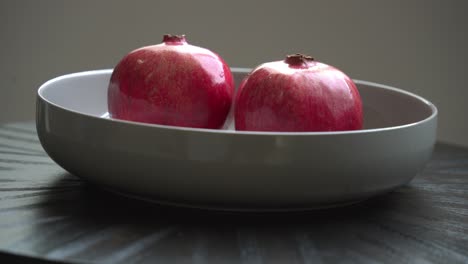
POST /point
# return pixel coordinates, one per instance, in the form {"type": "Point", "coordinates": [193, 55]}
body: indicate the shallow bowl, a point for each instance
{"type": "Point", "coordinates": [230, 170]}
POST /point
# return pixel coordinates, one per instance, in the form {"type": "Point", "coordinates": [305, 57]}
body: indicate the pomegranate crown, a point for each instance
{"type": "Point", "coordinates": [298, 59]}
{"type": "Point", "coordinates": [174, 38]}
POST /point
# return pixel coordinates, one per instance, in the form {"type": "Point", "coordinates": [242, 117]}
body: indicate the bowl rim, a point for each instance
{"type": "Point", "coordinates": [45, 85]}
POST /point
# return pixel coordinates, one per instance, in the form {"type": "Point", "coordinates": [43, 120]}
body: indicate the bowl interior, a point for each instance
{"type": "Point", "coordinates": [384, 106]}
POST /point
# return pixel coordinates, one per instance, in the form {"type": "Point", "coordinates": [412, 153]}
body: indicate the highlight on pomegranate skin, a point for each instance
{"type": "Point", "coordinates": [297, 94]}
{"type": "Point", "coordinates": [172, 83]}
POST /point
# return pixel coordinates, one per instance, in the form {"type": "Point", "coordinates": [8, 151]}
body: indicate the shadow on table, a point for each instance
{"type": "Point", "coordinates": [88, 202]}
{"type": "Point", "coordinates": [98, 225]}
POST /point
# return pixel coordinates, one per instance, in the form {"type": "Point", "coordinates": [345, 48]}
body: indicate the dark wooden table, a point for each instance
{"type": "Point", "coordinates": [48, 215]}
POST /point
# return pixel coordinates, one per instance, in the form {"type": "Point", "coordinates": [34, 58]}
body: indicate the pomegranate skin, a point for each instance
{"type": "Point", "coordinates": [172, 83]}
{"type": "Point", "coordinates": [297, 94]}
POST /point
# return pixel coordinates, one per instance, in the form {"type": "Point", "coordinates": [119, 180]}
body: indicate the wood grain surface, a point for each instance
{"type": "Point", "coordinates": [48, 216]}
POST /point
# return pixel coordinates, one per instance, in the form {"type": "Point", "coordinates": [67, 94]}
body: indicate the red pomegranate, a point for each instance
{"type": "Point", "coordinates": [172, 83]}
{"type": "Point", "coordinates": [297, 94]}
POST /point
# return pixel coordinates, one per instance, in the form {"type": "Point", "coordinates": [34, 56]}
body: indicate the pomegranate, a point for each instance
{"type": "Point", "coordinates": [297, 94]}
{"type": "Point", "coordinates": [172, 83]}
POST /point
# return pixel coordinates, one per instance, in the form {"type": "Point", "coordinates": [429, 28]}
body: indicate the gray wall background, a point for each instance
{"type": "Point", "coordinates": [417, 45]}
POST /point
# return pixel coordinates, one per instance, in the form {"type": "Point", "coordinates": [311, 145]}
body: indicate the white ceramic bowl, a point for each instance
{"type": "Point", "coordinates": [226, 169]}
